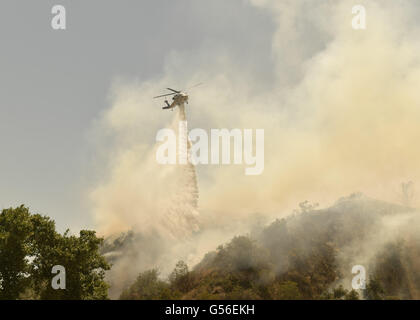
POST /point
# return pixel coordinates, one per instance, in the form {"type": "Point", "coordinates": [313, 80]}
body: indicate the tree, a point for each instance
{"type": "Point", "coordinates": [287, 290]}
{"type": "Point", "coordinates": [15, 231]}
{"type": "Point", "coordinates": [180, 278]}
{"type": "Point", "coordinates": [339, 293]}
{"type": "Point", "coordinates": [30, 247]}
{"type": "Point", "coordinates": [374, 290]}
{"type": "Point", "coordinates": [352, 295]}
{"type": "Point", "coordinates": [85, 267]}
{"type": "Point", "coordinates": [148, 286]}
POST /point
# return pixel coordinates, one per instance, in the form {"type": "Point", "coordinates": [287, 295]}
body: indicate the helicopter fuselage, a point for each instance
{"type": "Point", "coordinates": [178, 100]}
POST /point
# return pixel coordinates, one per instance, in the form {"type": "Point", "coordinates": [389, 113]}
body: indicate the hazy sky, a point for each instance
{"type": "Point", "coordinates": [55, 88]}
{"type": "Point", "coordinates": [54, 84]}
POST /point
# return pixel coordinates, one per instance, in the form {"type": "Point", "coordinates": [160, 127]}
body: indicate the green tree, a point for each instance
{"type": "Point", "coordinates": [148, 286]}
{"type": "Point", "coordinates": [85, 267]}
{"type": "Point", "coordinates": [352, 295]}
{"type": "Point", "coordinates": [30, 247]}
{"type": "Point", "coordinates": [15, 246]}
{"type": "Point", "coordinates": [374, 290]}
{"type": "Point", "coordinates": [180, 278]}
{"type": "Point", "coordinates": [339, 293]}
{"type": "Point", "coordinates": [287, 290]}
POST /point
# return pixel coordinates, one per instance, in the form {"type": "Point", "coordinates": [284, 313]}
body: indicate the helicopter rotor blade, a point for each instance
{"type": "Point", "coordinates": [174, 90]}
{"type": "Point", "coordinates": [164, 95]}
{"type": "Point", "coordinates": [196, 85]}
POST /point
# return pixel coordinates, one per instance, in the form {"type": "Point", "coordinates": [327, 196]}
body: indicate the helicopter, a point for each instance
{"type": "Point", "coordinates": [178, 99]}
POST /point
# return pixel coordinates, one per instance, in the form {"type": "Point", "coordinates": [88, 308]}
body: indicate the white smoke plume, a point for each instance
{"type": "Point", "coordinates": [341, 116]}
{"type": "Point", "coordinates": [167, 194]}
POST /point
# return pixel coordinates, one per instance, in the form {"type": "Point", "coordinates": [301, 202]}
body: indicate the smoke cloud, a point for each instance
{"type": "Point", "coordinates": [149, 197]}
{"type": "Point", "coordinates": [341, 116]}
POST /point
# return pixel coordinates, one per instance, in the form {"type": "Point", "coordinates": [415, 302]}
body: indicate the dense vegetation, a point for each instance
{"type": "Point", "coordinates": [302, 257]}
{"type": "Point", "coordinates": [308, 255]}
{"type": "Point", "coordinates": [30, 247]}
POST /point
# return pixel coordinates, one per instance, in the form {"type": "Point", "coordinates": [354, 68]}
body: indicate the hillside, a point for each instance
{"type": "Point", "coordinates": [308, 255]}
